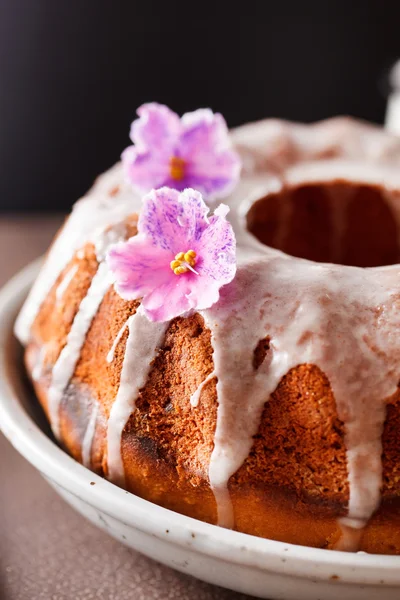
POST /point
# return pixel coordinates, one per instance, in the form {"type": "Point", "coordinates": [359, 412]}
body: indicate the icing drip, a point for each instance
{"type": "Point", "coordinates": [351, 534]}
{"type": "Point", "coordinates": [38, 368]}
{"type": "Point", "coordinates": [88, 437]}
{"type": "Point", "coordinates": [307, 311]}
{"type": "Point", "coordinates": [195, 398]}
{"type": "Point", "coordinates": [111, 354]}
{"type": "Point", "coordinates": [62, 287]}
{"type": "Point", "coordinates": [65, 365]}
{"type": "Point", "coordinates": [90, 216]}
{"type": "Point", "coordinates": [144, 338]}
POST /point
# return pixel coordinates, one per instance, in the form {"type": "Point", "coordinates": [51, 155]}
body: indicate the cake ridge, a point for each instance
{"type": "Point", "coordinates": [144, 338]}
{"type": "Point", "coordinates": [65, 365]}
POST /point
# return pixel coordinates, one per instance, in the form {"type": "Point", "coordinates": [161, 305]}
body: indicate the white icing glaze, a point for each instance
{"type": "Point", "coordinates": [274, 145]}
{"type": "Point", "coordinates": [110, 355]}
{"type": "Point", "coordinates": [351, 534]}
{"type": "Point", "coordinates": [62, 287]}
{"type": "Point", "coordinates": [38, 368]}
{"type": "Point", "coordinates": [392, 117]}
{"type": "Point", "coordinates": [65, 366]}
{"type": "Point", "coordinates": [195, 397]}
{"type": "Point", "coordinates": [66, 363]}
{"type": "Point", "coordinates": [91, 215]}
{"type": "Point", "coordinates": [88, 437]}
{"type": "Point", "coordinates": [144, 338]}
{"type": "Point", "coordinates": [342, 319]}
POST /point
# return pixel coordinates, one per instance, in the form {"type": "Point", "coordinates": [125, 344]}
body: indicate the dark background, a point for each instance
{"type": "Point", "coordinates": [72, 73]}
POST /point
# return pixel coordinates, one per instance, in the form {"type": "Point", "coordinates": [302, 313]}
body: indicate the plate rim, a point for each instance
{"type": "Point", "coordinates": [213, 541]}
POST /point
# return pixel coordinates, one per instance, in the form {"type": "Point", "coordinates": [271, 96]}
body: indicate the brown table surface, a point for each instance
{"type": "Point", "coordinates": [47, 551]}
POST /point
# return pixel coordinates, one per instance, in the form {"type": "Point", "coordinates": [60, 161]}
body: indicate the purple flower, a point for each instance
{"type": "Point", "coordinates": [194, 151]}
{"type": "Point", "coordinates": [180, 257]}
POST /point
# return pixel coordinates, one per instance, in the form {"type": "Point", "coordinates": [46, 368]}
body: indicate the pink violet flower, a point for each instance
{"type": "Point", "coordinates": [180, 257]}
{"type": "Point", "coordinates": [189, 152]}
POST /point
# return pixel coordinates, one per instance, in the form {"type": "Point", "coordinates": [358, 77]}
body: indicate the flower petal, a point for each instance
{"type": "Point", "coordinates": [212, 166]}
{"type": "Point", "coordinates": [204, 131]}
{"type": "Point", "coordinates": [169, 300]}
{"type": "Point", "coordinates": [173, 221]}
{"type": "Point", "coordinates": [217, 249]}
{"type": "Point", "coordinates": [157, 129]}
{"type": "Point", "coordinates": [145, 170]}
{"type": "Point", "coordinates": [139, 267]}
{"type": "Point", "coordinates": [215, 176]}
{"type": "Point", "coordinates": [205, 294]}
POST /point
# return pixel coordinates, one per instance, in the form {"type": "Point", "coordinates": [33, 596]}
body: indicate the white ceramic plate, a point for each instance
{"type": "Point", "coordinates": [264, 568]}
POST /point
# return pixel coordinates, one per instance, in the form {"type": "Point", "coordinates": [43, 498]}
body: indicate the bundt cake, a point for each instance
{"type": "Point", "coordinates": [276, 411]}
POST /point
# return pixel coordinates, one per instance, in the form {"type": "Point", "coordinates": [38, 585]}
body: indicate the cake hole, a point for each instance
{"type": "Point", "coordinates": [335, 222]}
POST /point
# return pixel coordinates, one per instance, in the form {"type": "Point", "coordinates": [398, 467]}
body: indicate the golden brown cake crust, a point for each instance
{"type": "Point", "coordinates": [293, 485]}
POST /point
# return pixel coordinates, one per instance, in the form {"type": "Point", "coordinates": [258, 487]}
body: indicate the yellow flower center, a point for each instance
{"type": "Point", "coordinates": [177, 168]}
{"type": "Point", "coordinates": [184, 262]}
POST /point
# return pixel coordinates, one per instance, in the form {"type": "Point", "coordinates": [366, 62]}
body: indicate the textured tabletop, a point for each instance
{"type": "Point", "coordinates": [47, 550]}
